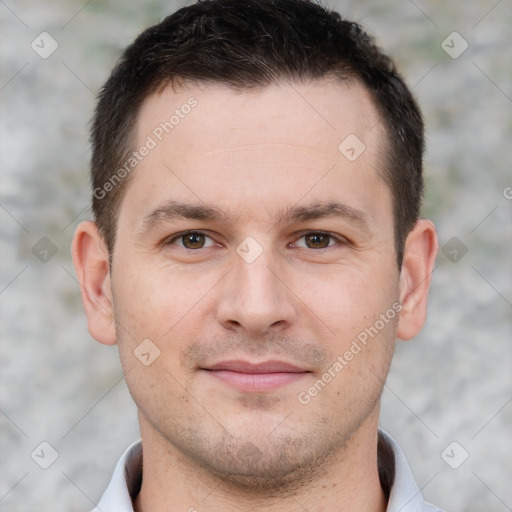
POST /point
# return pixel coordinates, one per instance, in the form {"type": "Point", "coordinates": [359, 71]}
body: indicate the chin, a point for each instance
{"type": "Point", "coordinates": [270, 476]}
{"type": "Point", "coordinates": [261, 465]}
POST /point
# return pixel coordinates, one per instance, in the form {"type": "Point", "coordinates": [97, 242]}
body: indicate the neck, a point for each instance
{"type": "Point", "coordinates": [348, 481]}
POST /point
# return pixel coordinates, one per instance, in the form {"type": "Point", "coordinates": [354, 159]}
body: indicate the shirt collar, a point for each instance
{"type": "Point", "coordinates": [404, 494]}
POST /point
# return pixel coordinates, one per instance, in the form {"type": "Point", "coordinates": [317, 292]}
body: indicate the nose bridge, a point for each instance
{"type": "Point", "coordinates": [254, 297]}
{"type": "Point", "coordinates": [256, 282]}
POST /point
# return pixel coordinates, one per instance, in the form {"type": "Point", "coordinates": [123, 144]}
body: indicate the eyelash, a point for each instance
{"type": "Point", "coordinates": [337, 239]}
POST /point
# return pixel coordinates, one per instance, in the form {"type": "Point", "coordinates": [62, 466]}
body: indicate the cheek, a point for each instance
{"type": "Point", "coordinates": [168, 307]}
{"type": "Point", "coordinates": [349, 300]}
{"type": "Point", "coordinates": [361, 312]}
{"type": "Point", "coordinates": [154, 297]}
{"type": "Point", "coordinates": [153, 308]}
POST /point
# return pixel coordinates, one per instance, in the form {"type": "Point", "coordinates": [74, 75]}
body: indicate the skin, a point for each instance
{"type": "Point", "coordinates": [208, 445]}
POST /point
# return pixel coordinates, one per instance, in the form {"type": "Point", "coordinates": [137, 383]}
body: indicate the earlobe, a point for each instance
{"type": "Point", "coordinates": [90, 258]}
{"type": "Point", "coordinates": [419, 256]}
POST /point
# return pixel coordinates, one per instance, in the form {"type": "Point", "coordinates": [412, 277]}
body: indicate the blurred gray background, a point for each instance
{"type": "Point", "coordinates": [448, 399]}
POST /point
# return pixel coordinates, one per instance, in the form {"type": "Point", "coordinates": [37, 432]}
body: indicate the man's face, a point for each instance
{"type": "Point", "coordinates": [273, 280]}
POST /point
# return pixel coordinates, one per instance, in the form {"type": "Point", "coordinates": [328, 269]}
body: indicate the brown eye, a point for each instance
{"type": "Point", "coordinates": [193, 240]}
{"type": "Point", "coordinates": [317, 240]}
{"type": "Point", "coordinates": [190, 240]}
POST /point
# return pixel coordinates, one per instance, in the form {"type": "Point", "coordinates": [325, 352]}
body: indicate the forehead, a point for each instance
{"type": "Point", "coordinates": [315, 115]}
{"type": "Point", "coordinates": [271, 146]}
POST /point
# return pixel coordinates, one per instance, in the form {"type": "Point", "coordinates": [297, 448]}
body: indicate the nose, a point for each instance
{"type": "Point", "coordinates": [255, 299]}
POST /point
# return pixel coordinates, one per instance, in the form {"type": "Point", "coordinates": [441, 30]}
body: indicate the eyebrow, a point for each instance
{"type": "Point", "coordinates": [173, 210]}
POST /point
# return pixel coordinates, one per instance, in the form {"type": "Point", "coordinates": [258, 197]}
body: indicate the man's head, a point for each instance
{"type": "Point", "coordinates": [246, 46]}
{"type": "Point", "coordinates": [254, 290]}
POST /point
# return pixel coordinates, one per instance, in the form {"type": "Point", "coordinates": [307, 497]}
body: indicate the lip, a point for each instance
{"type": "Point", "coordinates": [264, 367]}
{"type": "Point", "coordinates": [256, 377]}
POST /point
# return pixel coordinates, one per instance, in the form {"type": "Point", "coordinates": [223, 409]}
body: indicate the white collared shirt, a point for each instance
{"type": "Point", "coordinates": [404, 496]}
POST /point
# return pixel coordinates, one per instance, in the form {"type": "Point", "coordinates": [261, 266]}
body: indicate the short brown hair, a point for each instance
{"type": "Point", "coordinates": [248, 44]}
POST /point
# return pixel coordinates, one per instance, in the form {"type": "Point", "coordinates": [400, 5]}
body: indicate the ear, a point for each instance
{"type": "Point", "coordinates": [90, 257]}
{"type": "Point", "coordinates": [419, 256]}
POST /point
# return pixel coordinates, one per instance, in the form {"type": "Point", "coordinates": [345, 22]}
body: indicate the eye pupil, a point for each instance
{"type": "Point", "coordinates": [318, 240]}
{"type": "Point", "coordinates": [193, 240]}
